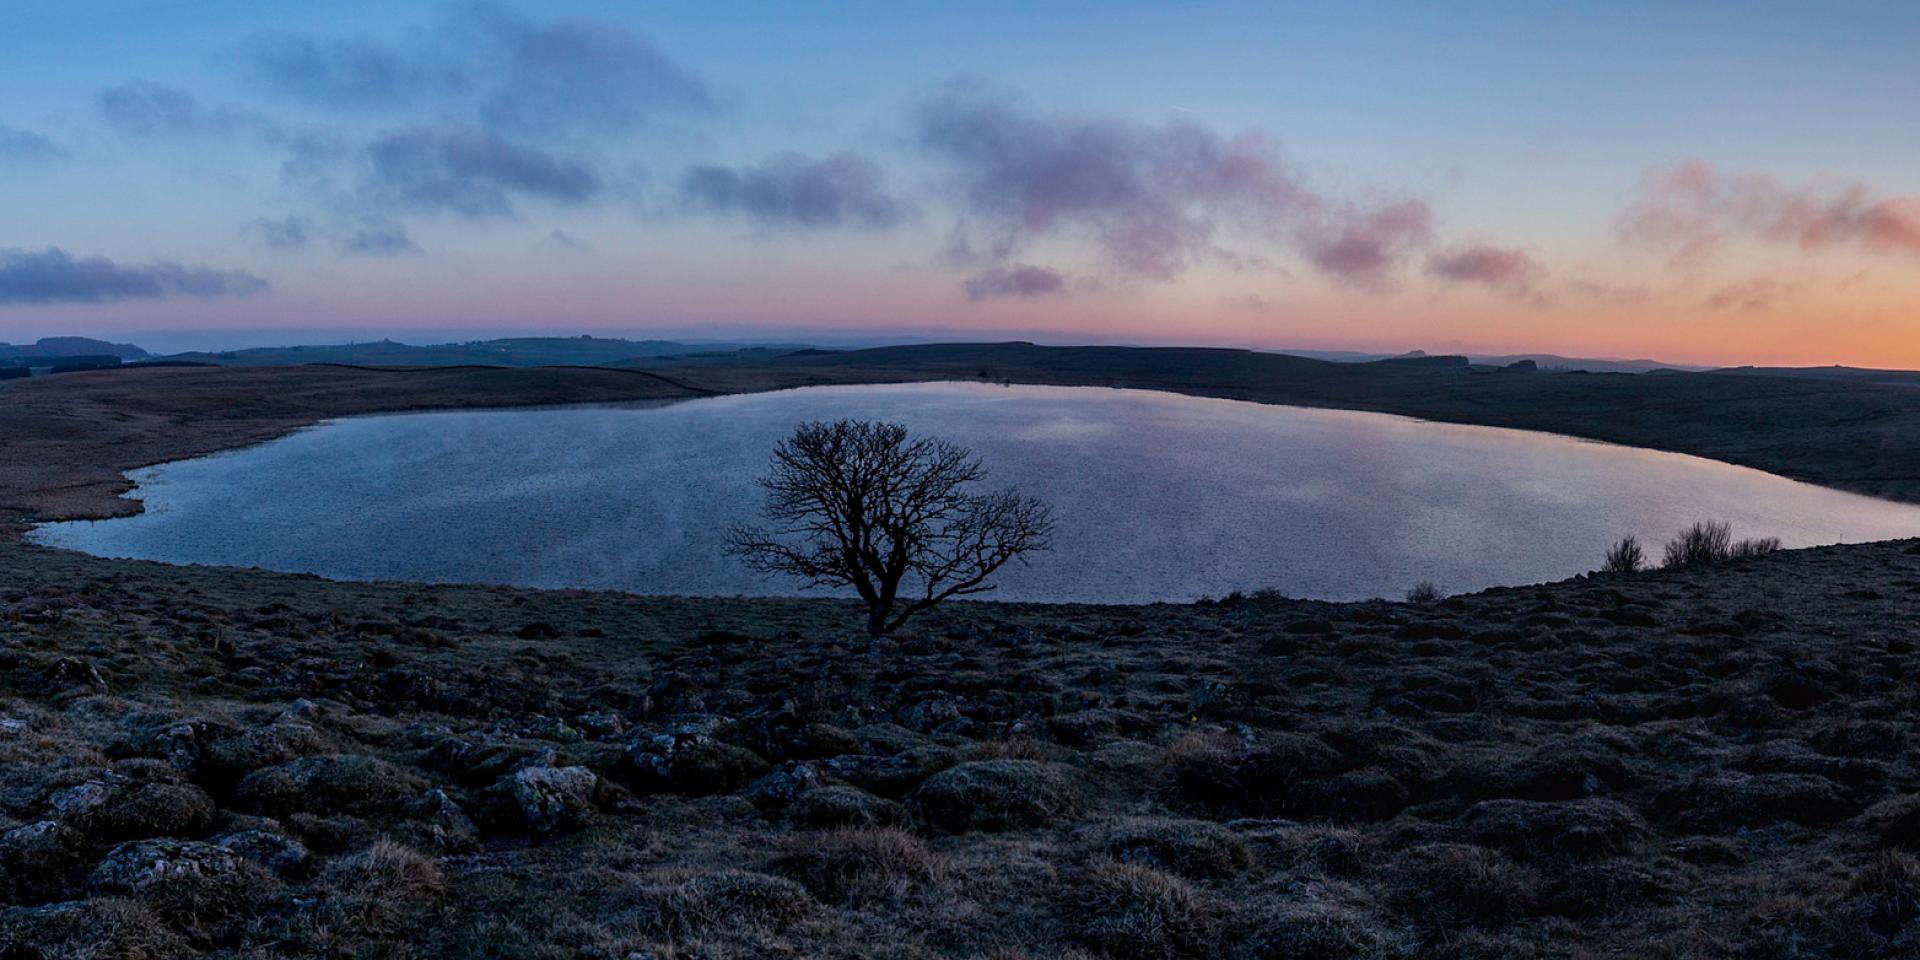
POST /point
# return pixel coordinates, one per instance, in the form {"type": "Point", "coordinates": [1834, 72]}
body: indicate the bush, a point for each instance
{"type": "Point", "coordinates": [1317, 929]}
{"type": "Point", "coordinates": [860, 866]}
{"type": "Point", "coordinates": [841, 806]}
{"type": "Point", "coordinates": [729, 899]}
{"type": "Point", "coordinates": [1708, 541]}
{"type": "Point", "coordinates": [1128, 910]}
{"type": "Point", "coordinates": [1426, 591]}
{"type": "Point", "coordinates": [1879, 915]}
{"type": "Point", "coordinates": [1191, 848]}
{"type": "Point", "coordinates": [1269, 777]}
{"type": "Point", "coordinates": [997, 795]}
{"type": "Point", "coordinates": [1449, 884]}
{"type": "Point", "coordinates": [1754, 547]}
{"type": "Point", "coordinates": [1625, 556]}
{"type": "Point", "coordinates": [1575, 828]}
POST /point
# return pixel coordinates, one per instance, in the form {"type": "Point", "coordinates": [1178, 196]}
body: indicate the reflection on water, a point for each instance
{"type": "Point", "coordinates": [1158, 497]}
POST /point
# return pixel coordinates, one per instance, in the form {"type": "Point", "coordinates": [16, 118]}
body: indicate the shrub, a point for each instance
{"type": "Point", "coordinates": [1129, 910]}
{"type": "Point", "coordinates": [1576, 828]}
{"type": "Point", "coordinates": [1448, 884]}
{"type": "Point", "coordinates": [1191, 848]}
{"type": "Point", "coordinates": [1879, 915]}
{"type": "Point", "coordinates": [1625, 556]}
{"type": "Point", "coordinates": [729, 898]}
{"type": "Point", "coordinates": [842, 806]}
{"type": "Point", "coordinates": [1426, 591]}
{"type": "Point", "coordinates": [1754, 547]}
{"type": "Point", "coordinates": [859, 865]}
{"type": "Point", "coordinates": [1224, 775]}
{"type": "Point", "coordinates": [1317, 929]}
{"type": "Point", "coordinates": [1705, 542]}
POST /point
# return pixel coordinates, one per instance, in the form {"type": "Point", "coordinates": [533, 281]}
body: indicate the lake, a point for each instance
{"type": "Point", "coordinates": [1158, 496]}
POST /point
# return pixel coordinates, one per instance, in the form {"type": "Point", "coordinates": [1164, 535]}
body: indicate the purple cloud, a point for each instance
{"type": "Point", "coordinates": [56, 276]}
{"type": "Point", "coordinates": [1362, 246]}
{"type": "Point", "coordinates": [1503, 269]}
{"type": "Point", "coordinates": [1153, 200]}
{"type": "Point", "coordinates": [1014, 281]}
{"type": "Point", "coordinates": [1691, 210]}
{"type": "Point", "coordinates": [470, 172]}
{"type": "Point", "coordinates": [793, 189]}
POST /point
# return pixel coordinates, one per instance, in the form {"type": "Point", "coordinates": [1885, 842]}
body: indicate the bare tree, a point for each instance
{"type": "Point", "coordinates": [1625, 556]}
{"type": "Point", "coordinates": [864, 505]}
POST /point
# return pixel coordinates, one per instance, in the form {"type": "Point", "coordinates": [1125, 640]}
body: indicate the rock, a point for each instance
{"type": "Point", "coordinates": [233, 755]}
{"type": "Point", "coordinates": [447, 826]}
{"type": "Point", "coordinates": [142, 866]}
{"type": "Point", "coordinates": [928, 714]}
{"type": "Point", "coordinates": [997, 795]}
{"type": "Point", "coordinates": [281, 854]}
{"type": "Point", "coordinates": [68, 675]}
{"type": "Point", "coordinates": [78, 800]}
{"type": "Point", "coordinates": [1091, 728]}
{"type": "Point", "coordinates": [349, 784]}
{"type": "Point", "coordinates": [131, 811]}
{"type": "Point", "coordinates": [783, 786]}
{"type": "Point", "coordinates": [692, 764]}
{"type": "Point", "coordinates": [888, 776]}
{"type": "Point", "coordinates": [605, 723]}
{"type": "Point", "coordinates": [550, 799]}
{"type": "Point", "coordinates": [37, 858]}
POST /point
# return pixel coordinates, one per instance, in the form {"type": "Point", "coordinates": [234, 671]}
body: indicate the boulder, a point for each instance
{"type": "Point", "coordinates": [281, 854]}
{"type": "Point", "coordinates": [551, 799]}
{"type": "Point", "coordinates": [692, 764]}
{"type": "Point", "coordinates": [349, 784]}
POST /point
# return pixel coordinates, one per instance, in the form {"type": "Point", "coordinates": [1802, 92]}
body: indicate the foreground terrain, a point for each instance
{"type": "Point", "coordinates": [1713, 762]}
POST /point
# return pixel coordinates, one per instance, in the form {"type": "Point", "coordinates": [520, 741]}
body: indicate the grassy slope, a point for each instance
{"type": "Point", "coordinates": [1708, 763]}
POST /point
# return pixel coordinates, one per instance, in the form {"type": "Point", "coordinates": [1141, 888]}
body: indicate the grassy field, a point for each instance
{"type": "Point", "coordinates": [1715, 762]}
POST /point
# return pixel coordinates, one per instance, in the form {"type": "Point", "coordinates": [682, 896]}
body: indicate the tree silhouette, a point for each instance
{"type": "Point", "coordinates": [864, 505]}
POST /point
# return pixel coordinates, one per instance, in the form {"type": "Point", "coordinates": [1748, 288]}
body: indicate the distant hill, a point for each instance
{"type": "Point", "coordinates": [510, 352]}
{"type": "Point", "coordinates": [47, 348]}
{"type": "Point", "coordinates": [1554, 363]}
{"type": "Point", "coordinates": [1898, 378]}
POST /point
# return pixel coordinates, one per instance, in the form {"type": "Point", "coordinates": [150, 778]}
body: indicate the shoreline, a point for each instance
{"type": "Point", "coordinates": [65, 442]}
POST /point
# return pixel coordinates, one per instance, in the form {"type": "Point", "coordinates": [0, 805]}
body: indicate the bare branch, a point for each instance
{"type": "Point", "coordinates": [868, 506]}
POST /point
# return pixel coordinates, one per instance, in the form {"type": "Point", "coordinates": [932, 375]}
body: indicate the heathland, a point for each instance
{"type": "Point", "coordinates": [1716, 761]}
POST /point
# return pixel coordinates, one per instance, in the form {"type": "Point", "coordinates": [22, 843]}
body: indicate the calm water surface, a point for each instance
{"type": "Point", "coordinates": [1158, 496]}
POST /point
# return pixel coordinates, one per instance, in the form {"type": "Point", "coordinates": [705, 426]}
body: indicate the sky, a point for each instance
{"type": "Point", "coordinates": [1698, 183]}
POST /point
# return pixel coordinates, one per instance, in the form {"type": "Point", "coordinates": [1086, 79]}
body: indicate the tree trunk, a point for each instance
{"type": "Point", "coordinates": [877, 617]}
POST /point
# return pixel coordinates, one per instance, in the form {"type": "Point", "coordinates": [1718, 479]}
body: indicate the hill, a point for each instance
{"type": "Point", "coordinates": [52, 347]}
{"type": "Point", "coordinates": [510, 352]}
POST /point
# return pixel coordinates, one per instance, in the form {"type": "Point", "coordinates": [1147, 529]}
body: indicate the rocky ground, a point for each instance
{"type": "Point", "coordinates": [1713, 762]}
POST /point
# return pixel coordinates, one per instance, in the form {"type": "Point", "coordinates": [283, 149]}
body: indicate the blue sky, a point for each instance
{"type": "Point", "coordinates": [1492, 176]}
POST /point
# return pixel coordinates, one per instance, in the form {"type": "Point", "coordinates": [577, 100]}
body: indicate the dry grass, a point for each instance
{"type": "Point", "coordinates": [1715, 761]}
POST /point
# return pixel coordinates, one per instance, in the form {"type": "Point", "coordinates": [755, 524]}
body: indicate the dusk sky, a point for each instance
{"type": "Point", "coordinates": [1697, 183]}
